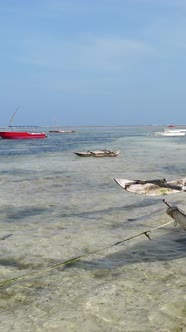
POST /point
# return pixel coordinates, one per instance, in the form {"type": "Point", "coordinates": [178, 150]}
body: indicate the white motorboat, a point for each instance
{"type": "Point", "coordinates": [170, 133]}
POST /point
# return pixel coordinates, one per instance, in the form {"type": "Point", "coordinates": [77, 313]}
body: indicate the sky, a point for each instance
{"type": "Point", "coordinates": [93, 62]}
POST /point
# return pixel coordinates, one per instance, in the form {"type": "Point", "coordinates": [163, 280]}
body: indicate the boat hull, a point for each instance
{"type": "Point", "coordinates": [169, 133]}
{"type": "Point", "coordinates": [98, 153]}
{"type": "Point", "coordinates": [62, 131]}
{"type": "Point", "coordinates": [152, 187]}
{"type": "Point", "coordinates": [21, 135]}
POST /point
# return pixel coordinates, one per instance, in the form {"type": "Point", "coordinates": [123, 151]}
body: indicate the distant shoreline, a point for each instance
{"type": "Point", "coordinates": [92, 126]}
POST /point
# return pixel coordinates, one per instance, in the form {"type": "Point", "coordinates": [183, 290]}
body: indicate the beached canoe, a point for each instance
{"type": "Point", "coordinates": [98, 153]}
{"type": "Point", "coordinates": [152, 187]}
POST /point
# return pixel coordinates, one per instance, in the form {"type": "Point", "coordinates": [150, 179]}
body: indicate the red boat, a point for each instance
{"type": "Point", "coordinates": [21, 135]}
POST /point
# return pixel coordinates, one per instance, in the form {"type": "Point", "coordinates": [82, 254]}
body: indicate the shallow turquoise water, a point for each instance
{"type": "Point", "coordinates": [55, 205]}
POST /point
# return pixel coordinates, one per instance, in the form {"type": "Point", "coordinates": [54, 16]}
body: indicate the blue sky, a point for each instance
{"type": "Point", "coordinates": [93, 62]}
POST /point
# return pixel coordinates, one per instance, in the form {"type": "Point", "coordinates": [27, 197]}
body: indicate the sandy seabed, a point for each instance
{"type": "Point", "coordinates": [55, 206]}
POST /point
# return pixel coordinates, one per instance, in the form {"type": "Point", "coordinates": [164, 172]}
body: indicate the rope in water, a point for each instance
{"type": "Point", "coordinates": [77, 258]}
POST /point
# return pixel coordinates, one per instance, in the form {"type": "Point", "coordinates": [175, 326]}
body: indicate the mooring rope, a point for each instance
{"type": "Point", "coordinates": [77, 258]}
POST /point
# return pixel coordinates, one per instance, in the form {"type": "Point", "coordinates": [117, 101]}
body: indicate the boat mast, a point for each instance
{"type": "Point", "coordinates": [13, 116]}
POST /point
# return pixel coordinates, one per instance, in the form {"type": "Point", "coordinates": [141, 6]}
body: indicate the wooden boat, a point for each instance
{"type": "Point", "coordinates": [62, 131]}
{"type": "Point", "coordinates": [152, 187]}
{"type": "Point", "coordinates": [98, 153]}
{"type": "Point", "coordinates": [21, 135]}
{"type": "Point", "coordinates": [177, 214]}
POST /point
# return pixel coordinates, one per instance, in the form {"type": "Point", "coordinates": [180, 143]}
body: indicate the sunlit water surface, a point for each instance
{"type": "Point", "coordinates": [55, 206]}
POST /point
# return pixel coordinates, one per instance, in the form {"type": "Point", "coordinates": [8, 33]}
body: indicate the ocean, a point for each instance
{"type": "Point", "coordinates": [56, 206]}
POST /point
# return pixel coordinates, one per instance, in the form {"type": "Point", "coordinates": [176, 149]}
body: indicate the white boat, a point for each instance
{"type": "Point", "coordinates": [175, 130]}
{"type": "Point", "coordinates": [170, 133]}
{"type": "Point", "coordinates": [62, 131]}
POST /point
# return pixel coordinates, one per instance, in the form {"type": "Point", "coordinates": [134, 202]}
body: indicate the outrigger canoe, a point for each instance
{"type": "Point", "coordinates": [152, 187]}
{"type": "Point", "coordinates": [98, 153]}
{"type": "Point", "coordinates": [177, 214]}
